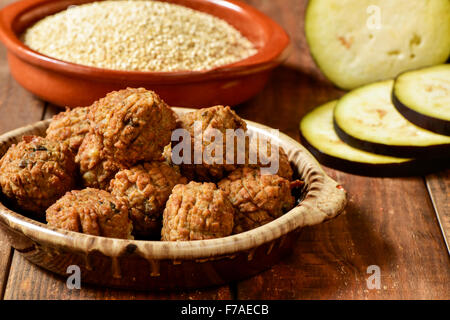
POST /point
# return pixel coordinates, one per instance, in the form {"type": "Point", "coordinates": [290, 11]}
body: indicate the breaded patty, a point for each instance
{"type": "Point", "coordinates": [133, 124]}
{"type": "Point", "coordinates": [146, 187]}
{"type": "Point", "coordinates": [70, 126]}
{"type": "Point", "coordinates": [36, 172]}
{"type": "Point", "coordinates": [284, 167]}
{"type": "Point", "coordinates": [265, 159]}
{"type": "Point", "coordinates": [258, 199]}
{"type": "Point", "coordinates": [91, 211]}
{"type": "Point", "coordinates": [197, 211]}
{"type": "Point", "coordinates": [96, 168]}
{"type": "Point", "coordinates": [215, 118]}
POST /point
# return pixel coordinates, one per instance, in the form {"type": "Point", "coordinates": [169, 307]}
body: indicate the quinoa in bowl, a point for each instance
{"type": "Point", "coordinates": [138, 36]}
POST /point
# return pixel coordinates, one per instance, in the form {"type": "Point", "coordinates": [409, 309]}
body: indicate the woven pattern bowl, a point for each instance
{"type": "Point", "coordinates": [158, 265]}
{"type": "Point", "coordinates": [68, 84]}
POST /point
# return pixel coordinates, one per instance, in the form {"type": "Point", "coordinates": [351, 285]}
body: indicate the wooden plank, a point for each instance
{"type": "Point", "coordinates": [298, 85]}
{"type": "Point", "coordinates": [28, 282]}
{"type": "Point", "coordinates": [389, 223]}
{"type": "Point", "coordinates": [288, 96]}
{"type": "Point", "coordinates": [439, 188]}
{"type": "Point", "coordinates": [17, 108]}
{"type": "Point", "coordinates": [6, 253]}
{"type": "Point", "coordinates": [289, 14]}
{"type": "Point", "coordinates": [331, 260]}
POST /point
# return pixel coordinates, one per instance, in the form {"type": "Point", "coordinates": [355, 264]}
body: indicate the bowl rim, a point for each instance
{"type": "Point", "coordinates": [274, 52]}
{"type": "Point", "coordinates": [325, 199]}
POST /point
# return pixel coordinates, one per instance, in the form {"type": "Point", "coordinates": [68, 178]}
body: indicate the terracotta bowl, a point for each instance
{"type": "Point", "coordinates": [157, 265]}
{"type": "Point", "coordinates": [68, 84]}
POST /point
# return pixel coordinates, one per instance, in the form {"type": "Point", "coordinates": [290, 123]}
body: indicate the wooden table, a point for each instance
{"type": "Point", "coordinates": [391, 223]}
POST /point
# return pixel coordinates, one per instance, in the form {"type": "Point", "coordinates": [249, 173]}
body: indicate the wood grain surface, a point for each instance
{"type": "Point", "coordinates": [391, 223]}
{"type": "Point", "coordinates": [388, 223]}
{"type": "Point", "coordinates": [439, 188]}
{"type": "Point", "coordinates": [17, 108]}
{"type": "Point", "coordinates": [28, 281]}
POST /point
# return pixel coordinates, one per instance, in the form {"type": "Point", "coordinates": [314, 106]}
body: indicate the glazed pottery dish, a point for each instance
{"type": "Point", "coordinates": [167, 265]}
{"type": "Point", "coordinates": [69, 84]}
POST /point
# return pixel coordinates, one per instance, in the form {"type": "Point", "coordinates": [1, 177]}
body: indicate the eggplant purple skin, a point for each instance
{"type": "Point", "coordinates": [435, 152]}
{"type": "Point", "coordinates": [415, 167]}
{"type": "Point", "coordinates": [432, 124]}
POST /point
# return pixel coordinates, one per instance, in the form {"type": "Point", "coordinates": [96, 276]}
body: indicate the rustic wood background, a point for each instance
{"type": "Point", "coordinates": [391, 223]}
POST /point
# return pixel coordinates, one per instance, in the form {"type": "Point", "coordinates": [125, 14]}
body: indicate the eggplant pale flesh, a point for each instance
{"type": "Point", "coordinates": [318, 136]}
{"type": "Point", "coordinates": [423, 97]}
{"type": "Point", "coordinates": [366, 118]}
{"type": "Point", "coordinates": [356, 42]}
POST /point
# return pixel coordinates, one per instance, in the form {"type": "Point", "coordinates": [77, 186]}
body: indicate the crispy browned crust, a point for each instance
{"type": "Point", "coordinates": [223, 118]}
{"type": "Point", "coordinates": [36, 172]}
{"type": "Point", "coordinates": [258, 199]}
{"type": "Point", "coordinates": [91, 211]}
{"type": "Point", "coordinates": [133, 124]}
{"type": "Point", "coordinates": [220, 118]}
{"type": "Point", "coordinates": [146, 187]}
{"type": "Point", "coordinates": [70, 126]}
{"type": "Point", "coordinates": [197, 211]}
{"type": "Point", "coordinates": [284, 166]}
{"type": "Point", "coordinates": [96, 168]}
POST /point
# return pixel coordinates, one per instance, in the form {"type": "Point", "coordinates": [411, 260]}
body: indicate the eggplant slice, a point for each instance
{"type": "Point", "coordinates": [423, 97]}
{"type": "Point", "coordinates": [357, 42]}
{"type": "Point", "coordinates": [318, 136]}
{"type": "Point", "coordinates": [367, 119]}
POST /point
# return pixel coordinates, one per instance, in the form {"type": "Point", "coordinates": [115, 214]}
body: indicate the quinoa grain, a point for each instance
{"type": "Point", "coordinates": [138, 36]}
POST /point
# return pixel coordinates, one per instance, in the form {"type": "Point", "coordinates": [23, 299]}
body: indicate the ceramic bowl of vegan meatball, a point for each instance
{"type": "Point", "coordinates": [107, 188]}
{"type": "Point", "coordinates": [193, 53]}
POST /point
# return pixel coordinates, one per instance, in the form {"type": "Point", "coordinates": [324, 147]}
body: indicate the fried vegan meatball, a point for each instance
{"type": "Point", "coordinates": [36, 172]}
{"type": "Point", "coordinates": [133, 124]}
{"type": "Point", "coordinates": [146, 187]}
{"type": "Point", "coordinates": [96, 168]}
{"type": "Point", "coordinates": [91, 211]}
{"type": "Point", "coordinates": [284, 167]}
{"type": "Point", "coordinates": [258, 199]}
{"type": "Point", "coordinates": [197, 211]}
{"type": "Point", "coordinates": [266, 160]}
{"type": "Point", "coordinates": [70, 126]}
{"type": "Point", "coordinates": [220, 118]}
